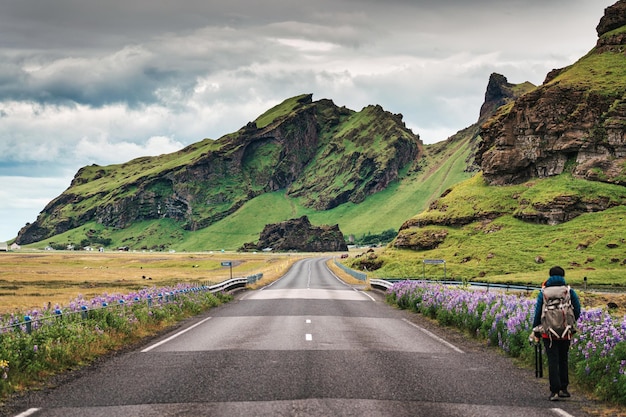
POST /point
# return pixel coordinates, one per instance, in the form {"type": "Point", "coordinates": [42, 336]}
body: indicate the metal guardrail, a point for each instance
{"type": "Point", "coordinates": [381, 284]}
{"type": "Point", "coordinates": [228, 285]}
{"type": "Point", "coordinates": [356, 274]}
{"type": "Point", "coordinates": [385, 284]}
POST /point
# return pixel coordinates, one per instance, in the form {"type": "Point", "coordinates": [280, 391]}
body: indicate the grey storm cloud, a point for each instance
{"type": "Point", "coordinates": [102, 52]}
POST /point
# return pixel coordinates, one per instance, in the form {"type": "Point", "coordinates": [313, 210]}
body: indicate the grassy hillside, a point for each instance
{"type": "Point", "coordinates": [511, 250]}
{"type": "Point", "coordinates": [603, 73]}
{"type": "Point", "coordinates": [442, 167]}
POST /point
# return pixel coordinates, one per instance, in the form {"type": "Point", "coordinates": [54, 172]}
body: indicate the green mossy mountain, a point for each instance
{"type": "Point", "coordinates": [314, 152]}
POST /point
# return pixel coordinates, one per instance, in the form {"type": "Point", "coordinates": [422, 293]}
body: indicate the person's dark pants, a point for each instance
{"type": "Point", "coordinates": [557, 352]}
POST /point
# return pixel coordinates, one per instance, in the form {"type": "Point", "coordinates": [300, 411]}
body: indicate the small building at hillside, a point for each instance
{"type": "Point", "coordinates": [4, 247]}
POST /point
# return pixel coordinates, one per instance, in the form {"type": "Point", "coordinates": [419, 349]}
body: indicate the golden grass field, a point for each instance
{"type": "Point", "coordinates": [30, 280]}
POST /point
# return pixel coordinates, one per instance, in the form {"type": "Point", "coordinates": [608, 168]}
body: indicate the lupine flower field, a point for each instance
{"type": "Point", "coordinates": [39, 343]}
{"type": "Point", "coordinates": [57, 338]}
{"type": "Point", "coordinates": [598, 353]}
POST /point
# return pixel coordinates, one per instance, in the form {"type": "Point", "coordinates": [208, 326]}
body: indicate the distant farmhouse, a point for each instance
{"type": "Point", "coordinates": [4, 246]}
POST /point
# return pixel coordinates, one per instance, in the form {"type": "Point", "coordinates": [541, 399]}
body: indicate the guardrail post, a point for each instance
{"type": "Point", "coordinates": [59, 313]}
{"type": "Point", "coordinates": [149, 301]}
{"type": "Point", "coordinates": [83, 312]}
{"type": "Point", "coordinates": [28, 324]}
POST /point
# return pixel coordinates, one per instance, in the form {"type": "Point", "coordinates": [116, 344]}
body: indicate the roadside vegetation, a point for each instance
{"type": "Point", "coordinates": [62, 310]}
{"type": "Point", "coordinates": [598, 354]}
{"type": "Point", "coordinates": [60, 338]}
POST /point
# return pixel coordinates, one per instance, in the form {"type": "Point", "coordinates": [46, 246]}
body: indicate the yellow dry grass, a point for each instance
{"type": "Point", "coordinates": [34, 279]}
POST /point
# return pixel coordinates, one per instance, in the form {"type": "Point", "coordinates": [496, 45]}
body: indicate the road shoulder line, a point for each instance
{"type": "Point", "coordinates": [434, 336]}
{"type": "Point", "coordinates": [149, 348]}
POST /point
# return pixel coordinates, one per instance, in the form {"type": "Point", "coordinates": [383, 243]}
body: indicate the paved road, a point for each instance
{"type": "Point", "coordinates": [308, 345]}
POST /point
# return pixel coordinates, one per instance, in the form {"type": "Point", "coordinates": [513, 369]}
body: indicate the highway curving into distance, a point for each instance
{"type": "Point", "coordinates": [307, 345]}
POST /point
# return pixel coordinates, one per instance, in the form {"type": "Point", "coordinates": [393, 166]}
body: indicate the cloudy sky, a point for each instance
{"type": "Point", "coordinates": [85, 81]}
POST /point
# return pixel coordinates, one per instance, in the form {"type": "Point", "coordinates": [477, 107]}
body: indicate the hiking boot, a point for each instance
{"type": "Point", "coordinates": [564, 394]}
{"type": "Point", "coordinates": [554, 396]}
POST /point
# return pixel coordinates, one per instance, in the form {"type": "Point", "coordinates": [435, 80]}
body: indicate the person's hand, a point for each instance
{"type": "Point", "coordinates": [534, 337]}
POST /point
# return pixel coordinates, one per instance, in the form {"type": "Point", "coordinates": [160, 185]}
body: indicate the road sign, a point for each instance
{"type": "Point", "coordinates": [230, 264]}
{"type": "Point", "coordinates": [433, 262]}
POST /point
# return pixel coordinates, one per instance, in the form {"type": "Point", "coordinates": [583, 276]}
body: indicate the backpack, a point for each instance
{"type": "Point", "coordinates": [557, 315]}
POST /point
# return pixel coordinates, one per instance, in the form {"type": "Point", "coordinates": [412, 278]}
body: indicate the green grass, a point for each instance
{"type": "Point", "coordinates": [506, 249]}
{"type": "Point", "coordinates": [474, 198]}
{"type": "Point", "coordinates": [281, 110]}
{"type": "Point", "coordinates": [596, 73]}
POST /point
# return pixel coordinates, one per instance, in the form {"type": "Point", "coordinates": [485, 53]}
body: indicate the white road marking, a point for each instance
{"type": "Point", "coordinates": [307, 294]}
{"type": "Point", "coordinates": [366, 294]}
{"type": "Point", "coordinates": [434, 336]}
{"type": "Point", "coordinates": [149, 348]}
{"type": "Point", "coordinates": [308, 321]}
{"type": "Point", "coordinates": [308, 337]}
{"type": "Point", "coordinates": [561, 412]}
{"type": "Point", "coordinates": [28, 412]}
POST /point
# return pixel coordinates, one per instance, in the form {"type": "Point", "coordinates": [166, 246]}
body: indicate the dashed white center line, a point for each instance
{"type": "Point", "coordinates": [308, 337]}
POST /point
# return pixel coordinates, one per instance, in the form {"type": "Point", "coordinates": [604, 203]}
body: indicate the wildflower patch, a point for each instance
{"type": "Point", "coordinates": [598, 355]}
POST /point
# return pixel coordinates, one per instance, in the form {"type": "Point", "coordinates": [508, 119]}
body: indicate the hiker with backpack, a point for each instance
{"type": "Point", "coordinates": [556, 314]}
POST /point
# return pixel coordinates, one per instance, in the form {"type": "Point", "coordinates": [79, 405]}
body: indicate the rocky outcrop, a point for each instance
{"type": "Point", "coordinates": [576, 119]}
{"type": "Point", "coordinates": [499, 92]}
{"type": "Point", "coordinates": [562, 208]}
{"type": "Point", "coordinates": [614, 18]}
{"type": "Point", "coordinates": [419, 239]}
{"type": "Point", "coordinates": [299, 235]}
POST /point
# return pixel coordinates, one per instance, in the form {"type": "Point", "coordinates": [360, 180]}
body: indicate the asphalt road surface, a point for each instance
{"type": "Point", "coordinates": [307, 345]}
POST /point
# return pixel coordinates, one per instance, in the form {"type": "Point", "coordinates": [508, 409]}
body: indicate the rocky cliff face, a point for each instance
{"type": "Point", "coordinates": [324, 154]}
{"type": "Point", "coordinates": [576, 119]}
{"type": "Point", "coordinates": [614, 18]}
{"type": "Point", "coordinates": [499, 92]}
{"type": "Point", "coordinates": [299, 235]}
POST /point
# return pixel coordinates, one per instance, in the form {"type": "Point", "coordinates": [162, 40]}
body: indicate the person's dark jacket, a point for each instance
{"type": "Point", "coordinates": [555, 281]}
